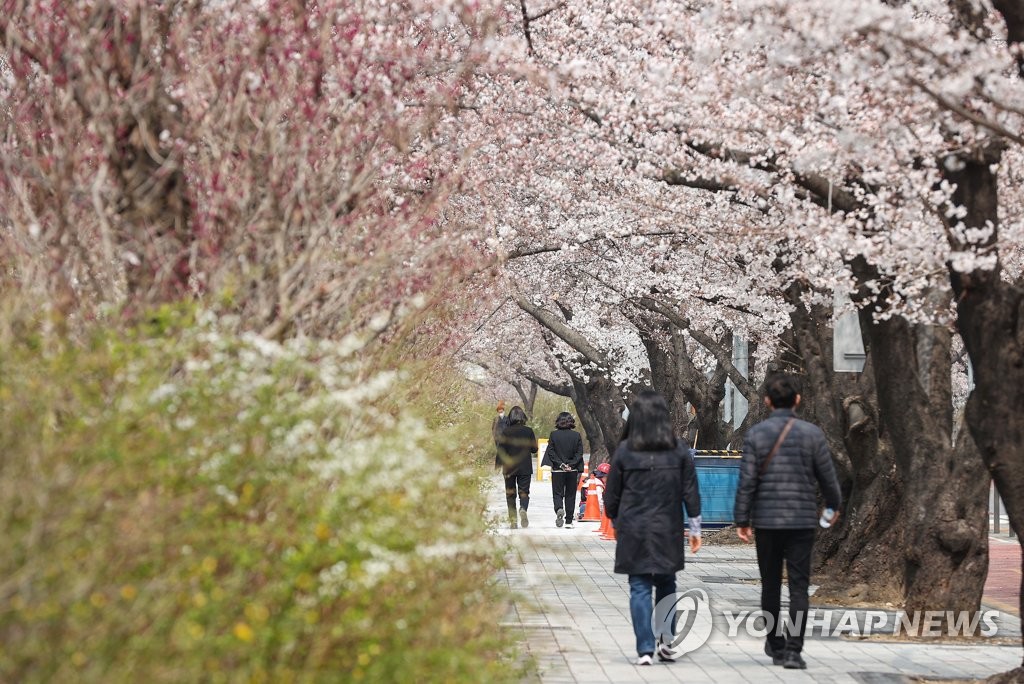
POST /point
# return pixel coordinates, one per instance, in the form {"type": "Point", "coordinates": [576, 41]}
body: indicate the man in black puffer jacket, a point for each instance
{"type": "Point", "coordinates": [784, 459]}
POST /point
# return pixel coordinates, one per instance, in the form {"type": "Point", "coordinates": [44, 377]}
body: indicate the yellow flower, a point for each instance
{"type": "Point", "coordinates": [195, 630]}
{"type": "Point", "coordinates": [78, 659]}
{"type": "Point", "coordinates": [323, 532]}
{"type": "Point", "coordinates": [199, 599]}
{"type": "Point", "coordinates": [364, 659]}
{"type": "Point", "coordinates": [243, 631]}
{"type": "Point", "coordinates": [97, 599]}
{"type": "Point", "coordinates": [128, 592]}
{"type": "Point", "coordinates": [209, 565]}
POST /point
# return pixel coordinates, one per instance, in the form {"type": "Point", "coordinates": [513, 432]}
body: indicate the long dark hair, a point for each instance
{"type": "Point", "coordinates": [516, 416]}
{"type": "Point", "coordinates": [565, 421]}
{"type": "Point", "coordinates": [649, 425]}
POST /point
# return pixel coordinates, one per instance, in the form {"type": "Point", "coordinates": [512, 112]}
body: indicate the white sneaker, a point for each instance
{"type": "Point", "coordinates": [569, 525]}
{"type": "Point", "coordinates": [645, 659]}
{"type": "Point", "coordinates": [665, 654]}
{"type": "Point", "coordinates": [559, 517]}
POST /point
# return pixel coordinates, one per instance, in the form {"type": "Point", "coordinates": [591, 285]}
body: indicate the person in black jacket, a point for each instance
{"type": "Point", "coordinates": [784, 459]}
{"type": "Point", "coordinates": [652, 474]}
{"type": "Point", "coordinates": [515, 447]}
{"type": "Point", "coordinates": [565, 456]}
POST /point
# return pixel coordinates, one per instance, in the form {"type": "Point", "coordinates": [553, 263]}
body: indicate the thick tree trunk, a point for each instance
{"type": "Point", "coordinates": [711, 431]}
{"type": "Point", "coordinates": [658, 339]}
{"type": "Point", "coordinates": [851, 555]}
{"type": "Point", "coordinates": [607, 405]}
{"type": "Point", "coordinates": [990, 318]}
{"type": "Point", "coordinates": [590, 422]}
{"type": "Point", "coordinates": [941, 527]}
{"type": "Point", "coordinates": [907, 535]}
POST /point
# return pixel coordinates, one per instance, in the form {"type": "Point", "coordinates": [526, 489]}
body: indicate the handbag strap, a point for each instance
{"type": "Point", "coordinates": [778, 443]}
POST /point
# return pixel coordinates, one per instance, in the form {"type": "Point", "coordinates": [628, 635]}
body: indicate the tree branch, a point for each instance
{"type": "Point", "coordinates": [562, 390]}
{"type": "Point", "coordinates": [823, 192]}
{"type": "Point", "coordinates": [522, 252]}
{"type": "Point", "coordinates": [526, 27]}
{"type": "Point", "coordinates": [549, 10]}
{"type": "Point", "coordinates": [721, 355]}
{"type": "Point", "coordinates": [567, 334]}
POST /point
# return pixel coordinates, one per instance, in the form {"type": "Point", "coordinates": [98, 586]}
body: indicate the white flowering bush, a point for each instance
{"type": "Point", "coordinates": [182, 503]}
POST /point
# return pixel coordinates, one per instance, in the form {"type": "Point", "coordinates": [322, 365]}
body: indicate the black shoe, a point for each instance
{"type": "Point", "coordinates": [771, 653]}
{"type": "Point", "coordinates": [793, 661]}
{"type": "Point", "coordinates": [559, 517]}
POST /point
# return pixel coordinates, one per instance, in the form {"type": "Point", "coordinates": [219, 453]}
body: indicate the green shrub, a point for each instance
{"type": "Point", "coordinates": [179, 503]}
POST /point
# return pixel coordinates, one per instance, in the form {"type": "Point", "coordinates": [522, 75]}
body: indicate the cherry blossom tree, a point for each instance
{"type": "Point", "coordinates": [830, 131]}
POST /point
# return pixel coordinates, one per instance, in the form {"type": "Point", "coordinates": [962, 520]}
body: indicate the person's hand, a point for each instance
{"type": "Point", "coordinates": [835, 518]}
{"type": "Point", "coordinates": [744, 533]}
{"type": "Point", "coordinates": [694, 543]}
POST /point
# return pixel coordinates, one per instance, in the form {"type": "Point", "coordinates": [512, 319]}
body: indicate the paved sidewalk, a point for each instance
{"type": "Point", "coordinates": [574, 616]}
{"type": "Point", "coordinates": [1002, 587]}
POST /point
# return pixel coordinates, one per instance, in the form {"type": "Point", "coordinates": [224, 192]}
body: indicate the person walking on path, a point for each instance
{"type": "Point", "coordinates": [784, 459]}
{"type": "Point", "coordinates": [651, 476]}
{"type": "Point", "coordinates": [515, 446]}
{"type": "Point", "coordinates": [565, 456]}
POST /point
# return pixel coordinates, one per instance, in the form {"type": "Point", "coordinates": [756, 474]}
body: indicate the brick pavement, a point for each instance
{"type": "Point", "coordinates": [572, 613]}
{"type": "Point", "coordinates": [1002, 587]}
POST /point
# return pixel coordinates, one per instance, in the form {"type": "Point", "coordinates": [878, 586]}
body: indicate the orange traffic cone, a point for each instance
{"type": "Point", "coordinates": [582, 480]}
{"type": "Point", "coordinates": [592, 513]}
{"type": "Point", "coordinates": [607, 529]}
{"type": "Point", "coordinates": [611, 532]}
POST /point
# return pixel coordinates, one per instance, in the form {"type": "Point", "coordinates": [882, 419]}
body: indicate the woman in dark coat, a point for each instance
{"type": "Point", "coordinates": [565, 456]}
{"type": "Point", "coordinates": [515, 447]}
{"type": "Point", "coordinates": [652, 475]}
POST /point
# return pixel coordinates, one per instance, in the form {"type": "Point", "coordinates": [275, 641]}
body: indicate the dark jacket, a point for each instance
{"type": "Point", "coordinates": [515, 445]}
{"type": "Point", "coordinates": [644, 498]}
{"type": "Point", "coordinates": [564, 446]}
{"type": "Point", "coordinates": [785, 498]}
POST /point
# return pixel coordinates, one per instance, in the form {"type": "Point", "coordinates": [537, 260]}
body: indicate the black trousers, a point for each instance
{"type": "Point", "coordinates": [563, 487]}
{"type": "Point", "coordinates": [794, 547]}
{"type": "Point", "coordinates": [517, 479]}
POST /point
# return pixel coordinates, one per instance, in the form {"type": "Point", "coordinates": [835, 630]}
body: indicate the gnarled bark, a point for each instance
{"type": "Point", "coordinates": [990, 318]}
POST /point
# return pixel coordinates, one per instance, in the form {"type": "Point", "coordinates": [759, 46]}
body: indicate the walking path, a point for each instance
{"type": "Point", "coordinates": [573, 613]}
{"type": "Point", "coordinates": [1002, 587]}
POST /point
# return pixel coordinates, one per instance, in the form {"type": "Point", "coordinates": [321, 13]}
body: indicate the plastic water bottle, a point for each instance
{"type": "Point", "coordinates": [826, 518]}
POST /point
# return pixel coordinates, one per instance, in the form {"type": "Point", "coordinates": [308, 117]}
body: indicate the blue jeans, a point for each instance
{"type": "Point", "coordinates": [641, 608]}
